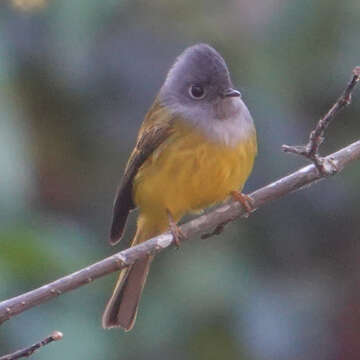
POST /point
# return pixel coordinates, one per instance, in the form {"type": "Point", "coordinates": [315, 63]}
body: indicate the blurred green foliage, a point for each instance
{"type": "Point", "coordinates": [76, 80]}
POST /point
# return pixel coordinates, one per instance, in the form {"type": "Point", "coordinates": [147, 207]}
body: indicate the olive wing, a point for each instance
{"type": "Point", "coordinates": [155, 129]}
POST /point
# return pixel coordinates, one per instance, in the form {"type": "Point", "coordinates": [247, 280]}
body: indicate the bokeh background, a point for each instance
{"type": "Point", "coordinates": [76, 78]}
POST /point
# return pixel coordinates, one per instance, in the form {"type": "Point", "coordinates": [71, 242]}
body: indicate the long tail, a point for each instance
{"type": "Point", "coordinates": [123, 305]}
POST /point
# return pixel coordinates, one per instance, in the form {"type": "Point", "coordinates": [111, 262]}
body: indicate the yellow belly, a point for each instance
{"type": "Point", "coordinates": [189, 173]}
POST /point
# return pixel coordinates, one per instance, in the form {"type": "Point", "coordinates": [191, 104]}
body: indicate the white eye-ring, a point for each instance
{"type": "Point", "coordinates": [197, 92]}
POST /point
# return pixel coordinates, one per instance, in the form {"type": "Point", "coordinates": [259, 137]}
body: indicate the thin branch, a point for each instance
{"type": "Point", "coordinates": [55, 336]}
{"type": "Point", "coordinates": [201, 225]}
{"type": "Point", "coordinates": [311, 149]}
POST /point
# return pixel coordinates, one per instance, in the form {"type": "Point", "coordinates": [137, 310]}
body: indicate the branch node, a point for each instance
{"type": "Point", "coordinates": [120, 260]}
{"type": "Point", "coordinates": [328, 166]}
{"type": "Point", "coordinates": [217, 231]}
{"type": "Point", "coordinates": [317, 136]}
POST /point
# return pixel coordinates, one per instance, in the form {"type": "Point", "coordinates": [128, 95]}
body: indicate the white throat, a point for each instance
{"type": "Point", "coordinates": [229, 128]}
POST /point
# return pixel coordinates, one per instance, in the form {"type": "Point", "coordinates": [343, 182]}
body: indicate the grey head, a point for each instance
{"type": "Point", "coordinates": [198, 87]}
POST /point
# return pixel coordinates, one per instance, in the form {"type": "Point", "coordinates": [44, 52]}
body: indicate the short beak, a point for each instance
{"type": "Point", "coordinates": [231, 93]}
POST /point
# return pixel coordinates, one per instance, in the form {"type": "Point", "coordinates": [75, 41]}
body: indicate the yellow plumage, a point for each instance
{"type": "Point", "coordinates": [189, 172]}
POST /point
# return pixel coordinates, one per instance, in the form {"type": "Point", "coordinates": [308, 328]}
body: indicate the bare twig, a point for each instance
{"type": "Point", "coordinates": [203, 224]}
{"type": "Point", "coordinates": [311, 149]}
{"type": "Point", "coordinates": [55, 336]}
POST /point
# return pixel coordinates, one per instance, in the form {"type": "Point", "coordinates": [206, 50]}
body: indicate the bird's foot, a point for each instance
{"type": "Point", "coordinates": [175, 230]}
{"type": "Point", "coordinates": [245, 200]}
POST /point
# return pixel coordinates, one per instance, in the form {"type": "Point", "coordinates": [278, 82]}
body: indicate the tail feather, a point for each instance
{"type": "Point", "coordinates": [122, 307]}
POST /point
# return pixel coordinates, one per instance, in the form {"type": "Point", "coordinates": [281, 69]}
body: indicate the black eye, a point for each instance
{"type": "Point", "coordinates": [197, 92]}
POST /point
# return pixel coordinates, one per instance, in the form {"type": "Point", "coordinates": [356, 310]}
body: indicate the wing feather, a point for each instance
{"type": "Point", "coordinates": [155, 129]}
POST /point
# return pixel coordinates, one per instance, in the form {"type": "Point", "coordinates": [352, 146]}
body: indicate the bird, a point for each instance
{"type": "Point", "coordinates": [195, 149]}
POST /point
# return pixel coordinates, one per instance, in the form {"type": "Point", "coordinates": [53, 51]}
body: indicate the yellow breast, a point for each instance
{"type": "Point", "coordinates": [189, 172]}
